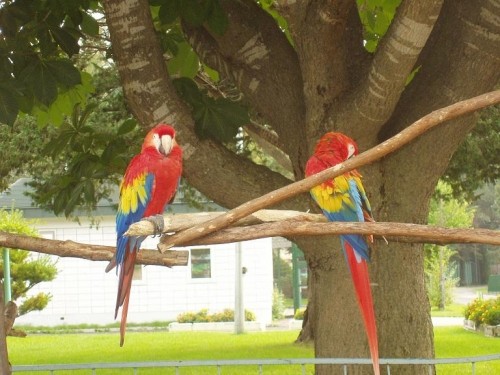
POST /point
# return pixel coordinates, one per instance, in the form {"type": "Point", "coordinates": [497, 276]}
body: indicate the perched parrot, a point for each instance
{"type": "Point", "coordinates": [149, 184]}
{"type": "Point", "coordinates": [344, 199]}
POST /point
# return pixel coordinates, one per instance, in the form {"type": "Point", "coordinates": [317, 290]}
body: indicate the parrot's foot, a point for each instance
{"type": "Point", "coordinates": [159, 224]}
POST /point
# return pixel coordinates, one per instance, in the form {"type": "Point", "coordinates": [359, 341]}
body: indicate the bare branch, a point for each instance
{"type": "Point", "coordinates": [179, 222]}
{"type": "Point", "coordinates": [407, 135]}
{"type": "Point", "coordinates": [89, 252]}
{"type": "Point", "coordinates": [400, 232]}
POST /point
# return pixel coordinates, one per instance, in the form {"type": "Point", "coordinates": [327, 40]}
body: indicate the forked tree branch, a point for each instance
{"type": "Point", "coordinates": [399, 140]}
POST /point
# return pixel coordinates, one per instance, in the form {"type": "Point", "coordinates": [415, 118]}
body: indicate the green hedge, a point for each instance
{"type": "Point", "coordinates": [202, 316]}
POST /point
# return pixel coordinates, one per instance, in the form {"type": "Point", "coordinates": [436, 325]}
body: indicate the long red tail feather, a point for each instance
{"type": "Point", "coordinates": [361, 281]}
{"type": "Point", "coordinates": [124, 286]}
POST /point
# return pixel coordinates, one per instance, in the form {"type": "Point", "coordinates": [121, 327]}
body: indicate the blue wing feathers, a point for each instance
{"type": "Point", "coordinates": [124, 220]}
{"type": "Point", "coordinates": [354, 214]}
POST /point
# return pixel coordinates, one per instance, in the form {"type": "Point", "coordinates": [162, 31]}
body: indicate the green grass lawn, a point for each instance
{"type": "Point", "coordinates": [154, 346]}
{"type": "Point", "coordinates": [453, 310]}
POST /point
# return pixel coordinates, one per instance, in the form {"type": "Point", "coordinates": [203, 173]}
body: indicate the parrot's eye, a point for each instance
{"type": "Point", "coordinates": [350, 150]}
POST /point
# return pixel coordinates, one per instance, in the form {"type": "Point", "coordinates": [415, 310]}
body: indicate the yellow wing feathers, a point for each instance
{"type": "Point", "coordinates": [133, 192]}
{"type": "Point", "coordinates": [332, 195]}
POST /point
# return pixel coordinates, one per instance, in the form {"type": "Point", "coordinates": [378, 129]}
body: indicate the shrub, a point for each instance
{"type": "Point", "coordinates": [484, 312]}
{"type": "Point", "coordinates": [278, 308]}
{"type": "Point", "coordinates": [202, 316]}
{"type": "Point", "coordinates": [299, 314]}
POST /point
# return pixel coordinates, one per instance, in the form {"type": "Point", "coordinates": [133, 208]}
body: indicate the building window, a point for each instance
{"type": "Point", "coordinates": [200, 264]}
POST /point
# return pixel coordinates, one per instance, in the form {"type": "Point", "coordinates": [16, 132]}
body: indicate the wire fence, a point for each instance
{"type": "Point", "coordinates": [257, 366]}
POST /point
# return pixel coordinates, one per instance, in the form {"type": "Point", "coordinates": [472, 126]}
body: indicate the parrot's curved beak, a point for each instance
{"type": "Point", "coordinates": [167, 143]}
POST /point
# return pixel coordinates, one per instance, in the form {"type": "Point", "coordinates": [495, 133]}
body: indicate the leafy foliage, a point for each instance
{"type": "Point", "coordinates": [38, 38]}
{"type": "Point", "coordinates": [202, 316]}
{"type": "Point", "coordinates": [477, 161]}
{"type": "Point", "coordinates": [278, 307]}
{"type": "Point", "coordinates": [487, 216]}
{"type": "Point", "coordinates": [439, 270]}
{"type": "Point", "coordinates": [282, 275]}
{"type": "Point", "coordinates": [26, 270]}
{"type": "Point", "coordinates": [86, 159]}
{"type": "Point", "coordinates": [219, 118]}
{"type": "Point", "coordinates": [299, 314]}
{"type": "Point", "coordinates": [376, 17]}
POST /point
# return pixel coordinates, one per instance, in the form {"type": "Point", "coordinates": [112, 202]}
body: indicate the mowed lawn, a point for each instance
{"type": "Point", "coordinates": [155, 346]}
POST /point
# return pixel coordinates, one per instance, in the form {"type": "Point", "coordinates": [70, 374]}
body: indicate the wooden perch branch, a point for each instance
{"type": "Point", "coordinates": [90, 252]}
{"type": "Point", "coordinates": [178, 222]}
{"type": "Point", "coordinates": [401, 232]}
{"type": "Point", "coordinates": [288, 223]}
{"type": "Point", "coordinates": [407, 135]}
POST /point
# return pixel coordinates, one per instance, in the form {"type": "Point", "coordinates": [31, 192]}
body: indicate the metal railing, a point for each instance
{"type": "Point", "coordinates": [259, 364]}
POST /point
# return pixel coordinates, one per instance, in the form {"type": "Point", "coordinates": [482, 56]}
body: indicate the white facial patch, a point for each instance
{"type": "Point", "coordinates": [156, 141]}
{"type": "Point", "coordinates": [350, 150]}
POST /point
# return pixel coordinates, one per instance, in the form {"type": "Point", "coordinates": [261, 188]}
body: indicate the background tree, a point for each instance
{"type": "Point", "coordinates": [487, 216]}
{"type": "Point", "coordinates": [445, 211]}
{"type": "Point", "coordinates": [26, 269]}
{"type": "Point", "coordinates": [300, 68]}
{"type": "Point", "coordinates": [477, 160]}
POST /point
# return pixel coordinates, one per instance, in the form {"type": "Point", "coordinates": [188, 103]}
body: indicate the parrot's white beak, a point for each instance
{"type": "Point", "coordinates": [167, 143]}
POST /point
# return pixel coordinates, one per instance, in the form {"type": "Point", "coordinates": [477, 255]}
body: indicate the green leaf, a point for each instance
{"type": "Point", "coordinates": [212, 73]}
{"type": "Point", "coordinates": [89, 25]}
{"type": "Point", "coordinates": [66, 40]}
{"type": "Point", "coordinates": [217, 19]}
{"type": "Point", "coordinates": [64, 72]}
{"type": "Point", "coordinates": [74, 198]}
{"type": "Point", "coordinates": [42, 83]}
{"type": "Point", "coordinates": [188, 91]}
{"type": "Point", "coordinates": [57, 144]}
{"type": "Point", "coordinates": [169, 11]}
{"type": "Point", "coordinates": [219, 119]}
{"type": "Point", "coordinates": [185, 63]}
{"type": "Point", "coordinates": [8, 107]}
{"type": "Point", "coordinates": [195, 12]}
{"type": "Point", "coordinates": [47, 45]}
{"type": "Point", "coordinates": [127, 126]}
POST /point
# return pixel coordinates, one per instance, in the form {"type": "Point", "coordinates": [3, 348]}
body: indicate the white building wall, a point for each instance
{"type": "Point", "coordinates": [84, 293]}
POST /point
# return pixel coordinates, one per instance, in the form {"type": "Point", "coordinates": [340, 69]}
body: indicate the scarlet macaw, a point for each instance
{"type": "Point", "coordinates": [149, 184]}
{"type": "Point", "coordinates": [344, 199]}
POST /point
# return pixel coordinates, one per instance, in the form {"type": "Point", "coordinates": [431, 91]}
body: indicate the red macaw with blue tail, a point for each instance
{"type": "Point", "coordinates": [343, 198]}
{"type": "Point", "coordinates": [149, 184]}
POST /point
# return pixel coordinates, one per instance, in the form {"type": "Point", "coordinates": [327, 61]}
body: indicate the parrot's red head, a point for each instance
{"type": "Point", "coordinates": [162, 138]}
{"type": "Point", "coordinates": [337, 145]}
{"type": "Point", "coordinates": [332, 149]}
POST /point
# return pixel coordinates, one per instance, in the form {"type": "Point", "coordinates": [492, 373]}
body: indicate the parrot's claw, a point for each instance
{"type": "Point", "coordinates": [157, 221]}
